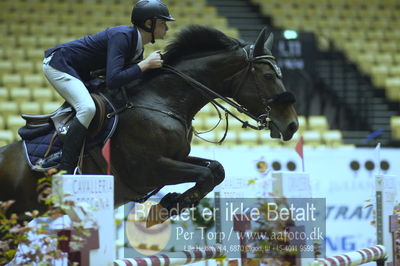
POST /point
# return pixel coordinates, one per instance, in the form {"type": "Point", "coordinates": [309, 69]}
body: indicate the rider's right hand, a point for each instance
{"type": "Point", "coordinates": [152, 61]}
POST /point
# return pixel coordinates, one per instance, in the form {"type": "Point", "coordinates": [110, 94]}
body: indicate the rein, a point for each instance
{"type": "Point", "coordinates": [210, 94]}
{"type": "Point", "coordinates": [263, 121]}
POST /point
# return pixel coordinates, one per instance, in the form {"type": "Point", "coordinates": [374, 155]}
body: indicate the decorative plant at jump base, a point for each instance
{"type": "Point", "coordinates": [200, 222]}
{"type": "Point", "coordinates": [396, 211]}
{"type": "Point", "coordinates": [270, 249]}
{"type": "Point", "coordinates": [43, 249]}
{"type": "Point", "coordinates": [396, 236]}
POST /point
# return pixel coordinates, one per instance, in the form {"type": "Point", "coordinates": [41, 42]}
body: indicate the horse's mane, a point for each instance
{"type": "Point", "coordinates": [197, 39]}
{"type": "Point", "coordinates": [192, 41]}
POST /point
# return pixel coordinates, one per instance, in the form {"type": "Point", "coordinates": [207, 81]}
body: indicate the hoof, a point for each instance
{"type": "Point", "coordinates": [156, 215]}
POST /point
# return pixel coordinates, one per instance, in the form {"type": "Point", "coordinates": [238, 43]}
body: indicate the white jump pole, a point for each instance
{"type": "Point", "coordinates": [354, 258]}
{"type": "Point", "coordinates": [96, 192]}
{"type": "Point", "coordinates": [172, 258]}
{"type": "Point", "coordinates": [385, 187]}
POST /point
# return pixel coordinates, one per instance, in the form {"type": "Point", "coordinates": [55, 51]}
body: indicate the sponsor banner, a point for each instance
{"type": "Point", "coordinates": [344, 177]}
{"type": "Point", "coordinates": [194, 227]}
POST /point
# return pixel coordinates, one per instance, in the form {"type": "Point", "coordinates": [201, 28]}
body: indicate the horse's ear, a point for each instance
{"type": "Point", "coordinates": [264, 41]}
{"type": "Point", "coordinates": [268, 43]}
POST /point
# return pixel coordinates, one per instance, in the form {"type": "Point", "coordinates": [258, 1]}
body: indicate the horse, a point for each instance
{"type": "Point", "coordinates": [151, 145]}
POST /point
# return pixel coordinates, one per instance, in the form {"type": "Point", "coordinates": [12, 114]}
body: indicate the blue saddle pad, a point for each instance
{"type": "Point", "coordinates": [36, 142]}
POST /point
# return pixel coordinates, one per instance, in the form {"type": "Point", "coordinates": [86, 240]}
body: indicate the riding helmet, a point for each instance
{"type": "Point", "coordinates": [149, 9]}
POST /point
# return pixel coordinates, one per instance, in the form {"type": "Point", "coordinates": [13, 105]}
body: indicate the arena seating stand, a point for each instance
{"type": "Point", "coordinates": [32, 26]}
{"type": "Point", "coordinates": [359, 57]}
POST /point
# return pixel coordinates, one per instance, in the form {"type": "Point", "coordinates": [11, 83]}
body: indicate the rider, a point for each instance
{"type": "Point", "coordinates": [68, 65]}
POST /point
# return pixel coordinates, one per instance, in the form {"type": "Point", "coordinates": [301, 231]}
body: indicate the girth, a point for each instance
{"type": "Point", "coordinates": [169, 113]}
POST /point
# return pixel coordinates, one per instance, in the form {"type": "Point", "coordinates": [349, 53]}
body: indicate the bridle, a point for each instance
{"type": "Point", "coordinates": [263, 121]}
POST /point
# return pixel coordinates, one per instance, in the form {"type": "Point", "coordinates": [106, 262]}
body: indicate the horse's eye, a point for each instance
{"type": "Point", "coordinates": [269, 76]}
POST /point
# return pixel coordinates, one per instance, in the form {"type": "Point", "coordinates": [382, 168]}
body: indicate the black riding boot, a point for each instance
{"type": "Point", "coordinates": [72, 146]}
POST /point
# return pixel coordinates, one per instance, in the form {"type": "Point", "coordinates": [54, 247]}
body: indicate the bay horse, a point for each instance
{"type": "Point", "coordinates": [151, 145]}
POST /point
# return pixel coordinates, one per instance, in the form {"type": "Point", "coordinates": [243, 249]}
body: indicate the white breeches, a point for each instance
{"type": "Point", "coordinates": [73, 91]}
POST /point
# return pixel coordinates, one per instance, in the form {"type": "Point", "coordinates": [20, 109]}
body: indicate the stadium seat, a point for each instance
{"type": "Point", "coordinates": [32, 108]}
{"type": "Point", "coordinates": [359, 35]}
{"type": "Point", "coordinates": [385, 59]}
{"type": "Point", "coordinates": [196, 141]}
{"type": "Point", "coordinates": [393, 88]}
{"type": "Point", "coordinates": [198, 122]}
{"type": "Point", "coordinates": [248, 138]}
{"type": "Point", "coordinates": [49, 107]}
{"type": "Point", "coordinates": [42, 95]}
{"type": "Point", "coordinates": [38, 67]}
{"type": "Point", "coordinates": [24, 67]}
{"type": "Point", "coordinates": [374, 35]}
{"type": "Point", "coordinates": [46, 42]}
{"type": "Point", "coordinates": [389, 46]}
{"type": "Point", "coordinates": [4, 94]}
{"type": "Point", "coordinates": [19, 95]}
{"type": "Point", "coordinates": [8, 41]}
{"type": "Point", "coordinates": [206, 138]}
{"type": "Point", "coordinates": [69, 18]}
{"type": "Point", "coordinates": [312, 138]}
{"type": "Point", "coordinates": [12, 80]}
{"type": "Point", "coordinates": [8, 108]}
{"type": "Point", "coordinates": [57, 96]}
{"type": "Point", "coordinates": [77, 31]}
{"type": "Point", "coordinates": [235, 125]}
{"type": "Point", "coordinates": [395, 127]}
{"type": "Point", "coordinates": [380, 74]}
{"type": "Point", "coordinates": [318, 123]}
{"type": "Point", "coordinates": [6, 137]}
{"type": "Point", "coordinates": [207, 110]}
{"type": "Point", "coordinates": [14, 54]}
{"type": "Point", "coordinates": [27, 42]}
{"type": "Point", "coordinates": [371, 47]}
{"type": "Point", "coordinates": [213, 121]}
{"type": "Point", "coordinates": [302, 124]}
{"type": "Point", "coordinates": [19, 29]}
{"type": "Point", "coordinates": [266, 140]}
{"type": "Point", "coordinates": [230, 140]}
{"type": "Point", "coordinates": [14, 122]}
{"type": "Point", "coordinates": [34, 80]}
{"type": "Point", "coordinates": [35, 54]}
{"type": "Point", "coordinates": [396, 58]}
{"type": "Point", "coordinates": [366, 61]}
{"type": "Point", "coordinates": [6, 67]}
{"type": "Point", "coordinates": [394, 71]}
{"type": "Point", "coordinates": [392, 35]}
{"type": "Point", "coordinates": [332, 138]}
{"type": "Point", "coordinates": [62, 7]}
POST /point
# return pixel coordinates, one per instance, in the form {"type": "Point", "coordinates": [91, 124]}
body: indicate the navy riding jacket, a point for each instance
{"type": "Point", "coordinates": [112, 49]}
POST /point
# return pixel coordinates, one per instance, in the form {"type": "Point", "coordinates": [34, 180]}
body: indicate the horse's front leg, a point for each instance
{"type": "Point", "coordinates": [214, 174]}
{"type": "Point", "coordinates": [204, 186]}
{"type": "Point", "coordinates": [205, 173]}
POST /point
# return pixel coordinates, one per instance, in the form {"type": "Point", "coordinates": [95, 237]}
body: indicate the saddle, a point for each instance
{"type": "Point", "coordinates": [43, 135]}
{"type": "Point", "coordinates": [62, 117]}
